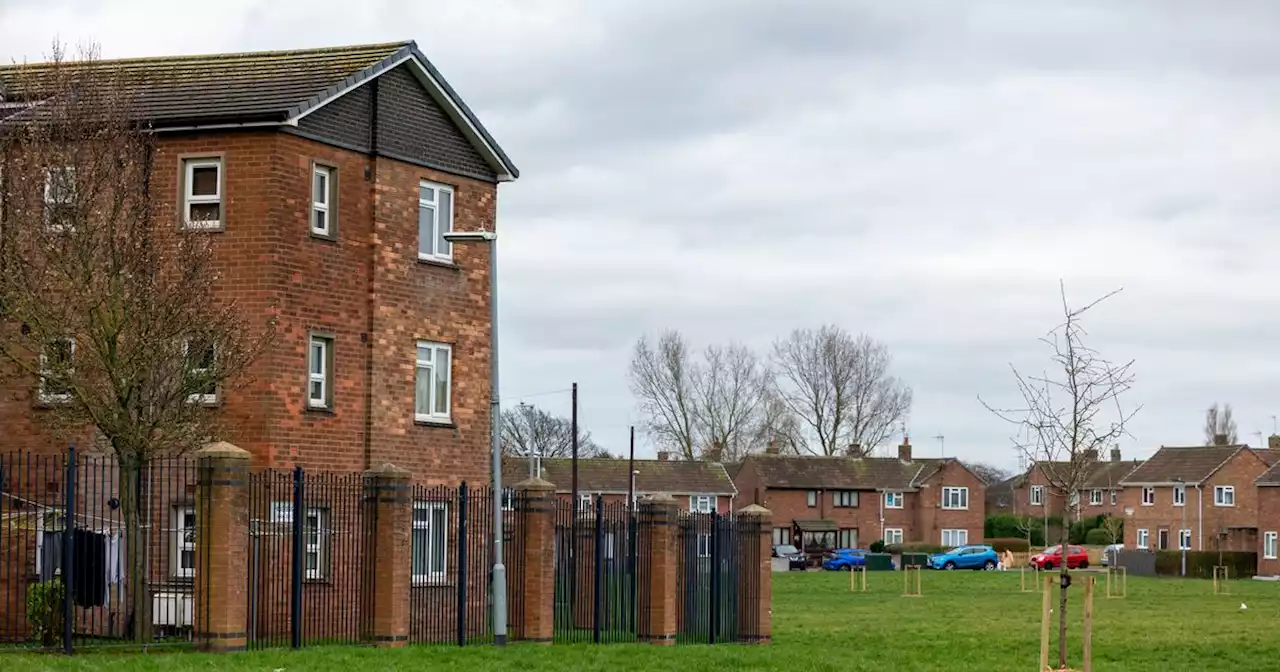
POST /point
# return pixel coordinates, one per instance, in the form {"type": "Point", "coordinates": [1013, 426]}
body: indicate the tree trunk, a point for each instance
{"type": "Point", "coordinates": [1064, 538]}
{"type": "Point", "coordinates": [133, 507]}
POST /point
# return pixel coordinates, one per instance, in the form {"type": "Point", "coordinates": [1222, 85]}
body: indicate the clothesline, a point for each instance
{"type": "Point", "coordinates": [79, 516]}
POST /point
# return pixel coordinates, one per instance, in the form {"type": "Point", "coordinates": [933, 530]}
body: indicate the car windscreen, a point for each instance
{"type": "Point", "coordinates": [787, 549]}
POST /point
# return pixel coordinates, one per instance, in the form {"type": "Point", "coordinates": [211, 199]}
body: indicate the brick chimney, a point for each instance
{"type": "Point", "coordinates": [663, 456]}
{"type": "Point", "coordinates": [1091, 455]}
{"type": "Point", "coordinates": [1115, 454]}
{"type": "Point", "coordinates": [1219, 439]}
{"type": "Point", "coordinates": [1273, 442]}
{"type": "Point", "coordinates": [854, 450]}
{"type": "Point", "coordinates": [904, 450]}
{"type": "Point", "coordinates": [716, 454]}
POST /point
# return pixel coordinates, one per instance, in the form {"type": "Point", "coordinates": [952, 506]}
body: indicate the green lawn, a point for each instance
{"type": "Point", "coordinates": [964, 621]}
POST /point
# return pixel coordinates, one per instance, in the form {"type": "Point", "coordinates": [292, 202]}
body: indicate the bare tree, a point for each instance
{"type": "Point", "coordinates": [729, 400]}
{"type": "Point", "coordinates": [778, 427]}
{"type": "Point", "coordinates": [115, 317]}
{"type": "Point", "coordinates": [840, 387]}
{"type": "Point", "coordinates": [1068, 417]}
{"type": "Point", "coordinates": [1219, 426]}
{"type": "Point", "coordinates": [665, 381]}
{"type": "Point", "coordinates": [1114, 527]}
{"type": "Point", "coordinates": [989, 473]}
{"type": "Point", "coordinates": [528, 430]}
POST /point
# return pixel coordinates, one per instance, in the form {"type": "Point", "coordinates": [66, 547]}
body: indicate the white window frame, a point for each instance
{"type": "Point", "coordinates": [1179, 495]}
{"type": "Point", "coordinates": [844, 499]}
{"type": "Point", "coordinates": [704, 545]}
{"type": "Point", "coordinates": [1144, 538]}
{"type": "Point", "coordinates": [1095, 497]}
{"type": "Point", "coordinates": [508, 499]}
{"type": "Point", "coordinates": [702, 503]}
{"type": "Point", "coordinates": [1220, 493]}
{"type": "Point", "coordinates": [198, 397]}
{"type": "Point", "coordinates": [959, 536]}
{"type": "Point", "coordinates": [432, 576]}
{"type": "Point", "coordinates": [45, 396]}
{"type": "Point", "coordinates": [1270, 546]}
{"type": "Point", "coordinates": [892, 535]}
{"type": "Point", "coordinates": [189, 199]}
{"type": "Point", "coordinates": [781, 536]}
{"type": "Point", "coordinates": [1148, 496]}
{"type": "Point", "coordinates": [959, 493]}
{"type": "Point", "coordinates": [321, 202]}
{"type": "Point", "coordinates": [319, 547]}
{"type": "Point", "coordinates": [811, 498]}
{"type": "Point", "coordinates": [851, 532]}
{"type": "Point", "coordinates": [62, 200]}
{"type": "Point", "coordinates": [433, 205]}
{"type": "Point", "coordinates": [433, 367]}
{"type": "Point", "coordinates": [184, 540]}
{"type": "Point", "coordinates": [894, 499]}
{"type": "Point", "coordinates": [1037, 495]}
{"type": "Point", "coordinates": [1184, 539]}
{"type": "Point", "coordinates": [1114, 497]}
{"type": "Point", "coordinates": [585, 501]}
{"type": "Point", "coordinates": [324, 377]}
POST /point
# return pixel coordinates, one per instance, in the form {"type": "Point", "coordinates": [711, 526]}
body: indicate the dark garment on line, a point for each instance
{"type": "Point", "coordinates": [50, 555]}
{"type": "Point", "coordinates": [89, 569]}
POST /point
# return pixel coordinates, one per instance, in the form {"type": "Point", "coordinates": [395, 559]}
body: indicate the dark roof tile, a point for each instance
{"type": "Point", "coordinates": [864, 473]}
{"type": "Point", "coordinates": [1193, 464]}
{"type": "Point", "coordinates": [677, 477]}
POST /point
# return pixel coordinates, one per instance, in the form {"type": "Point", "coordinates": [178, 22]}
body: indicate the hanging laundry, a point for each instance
{"type": "Point", "coordinates": [89, 568]}
{"type": "Point", "coordinates": [50, 555]}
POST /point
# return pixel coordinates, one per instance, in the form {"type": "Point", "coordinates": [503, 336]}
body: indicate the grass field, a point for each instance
{"type": "Point", "coordinates": [964, 621]}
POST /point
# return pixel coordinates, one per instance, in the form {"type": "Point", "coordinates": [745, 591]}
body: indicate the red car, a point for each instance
{"type": "Point", "coordinates": [1051, 558]}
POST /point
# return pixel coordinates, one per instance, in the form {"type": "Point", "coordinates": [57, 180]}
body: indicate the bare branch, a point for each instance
{"type": "Point", "coordinates": [529, 430]}
{"type": "Point", "coordinates": [665, 381]}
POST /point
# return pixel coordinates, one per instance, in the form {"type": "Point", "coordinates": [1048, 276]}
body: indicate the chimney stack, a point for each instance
{"type": "Point", "coordinates": [854, 450]}
{"type": "Point", "coordinates": [1219, 439]}
{"type": "Point", "coordinates": [904, 450]}
{"type": "Point", "coordinates": [663, 456]}
{"type": "Point", "coordinates": [772, 448]}
{"type": "Point", "coordinates": [716, 454]}
{"type": "Point", "coordinates": [1273, 442]}
{"type": "Point", "coordinates": [1115, 454]}
{"type": "Point", "coordinates": [1091, 455]}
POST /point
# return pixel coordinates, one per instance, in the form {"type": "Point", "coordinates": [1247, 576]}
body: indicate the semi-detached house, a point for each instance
{"type": "Point", "coordinates": [849, 502]}
{"type": "Point", "coordinates": [697, 487]}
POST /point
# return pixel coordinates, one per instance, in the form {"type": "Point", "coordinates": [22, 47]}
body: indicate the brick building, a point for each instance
{"type": "Point", "coordinates": [1198, 497]}
{"type": "Point", "coordinates": [1268, 493]}
{"type": "Point", "coordinates": [328, 177]}
{"type": "Point", "coordinates": [851, 502]}
{"type": "Point", "coordinates": [1034, 492]}
{"type": "Point", "coordinates": [696, 486]}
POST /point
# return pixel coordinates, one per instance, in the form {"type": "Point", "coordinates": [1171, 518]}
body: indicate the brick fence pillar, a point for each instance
{"type": "Point", "coordinates": [584, 568]}
{"type": "Point", "coordinates": [388, 519]}
{"type": "Point", "coordinates": [656, 535]}
{"type": "Point", "coordinates": [755, 576]}
{"type": "Point", "coordinates": [222, 548]}
{"type": "Point", "coordinates": [536, 500]}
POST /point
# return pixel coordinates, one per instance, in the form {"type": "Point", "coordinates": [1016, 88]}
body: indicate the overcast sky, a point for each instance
{"type": "Point", "coordinates": [924, 172]}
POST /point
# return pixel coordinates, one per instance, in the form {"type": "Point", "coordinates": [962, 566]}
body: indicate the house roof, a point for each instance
{"type": "Point", "coordinates": [817, 525]}
{"type": "Point", "coordinates": [1109, 474]}
{"type": "Point", "coordinates": [256, 88]}
{"type": "Point", "coordinates": [680, 477]}
{"type": "Point", "coordinates": [1270, 476]}
{"type": "Point", "coordinates": [1193, 464]}
{"type": "Point", "coordinates": [863, 473]}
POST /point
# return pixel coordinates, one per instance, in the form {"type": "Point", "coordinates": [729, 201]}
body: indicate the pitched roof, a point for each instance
{"type": "Point", "coordinates": [863, 473]}
{"type": "Point", "coordinates": [1109, 474]}
{"type": "Point", "coordinates": [678, 477]}
{"type": "Point", "coordinates": [1193, 464]}
{"type": "Point", "coordinates": [261, 88]}
{"type": "Point", "coordinates": [1270, 476]}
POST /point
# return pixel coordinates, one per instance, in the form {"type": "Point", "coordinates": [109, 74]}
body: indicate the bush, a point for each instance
{"type": "Point", "coordinates": [1007, 526]}
{"type": "Point", "coordinates": [45, 610]}
{"type": "Point", "coordinates": [1200, 564]}
{"type": "Point", "coordinates": [1012, 545]}
{"type": "Point", "coordinates": [877, 546]}
{"type": "Point", "coordinates": [1097, 537]}
{"type": "Point", "coordinates": [914, 547]}
{"type": "Point", "coordinates": [1080, 531]}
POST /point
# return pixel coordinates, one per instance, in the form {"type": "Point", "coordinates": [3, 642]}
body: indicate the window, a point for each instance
{"type": "Point", "coordinates": [609, 539]}
{"type": "Point", "coordinates": [893, 500]}
{"type": "Point", "coordinates": [955, 498]}
{"type": "Point", "coordinates": [60, 199]}
{"type": "Point", "coordinates": [1148, 496]}
{"type": "Point", "coordinates": [508, 499]}
{"type": "Point", "coordinates": [56, 367]}
{"type": "Point", "coordinates": [1269, 543]}
{"type": "Point", "coordinates": [702, 504]}
{"type": "Point", "coordinates": [704, 545]}
{"type": "Point", "coordinates": [431, 390]}
{"type": "Point", "coordinates": [200, 358]}
{"type": "Point", "coordinates": [184, 542]}
{"type": "Point", "coordinates": [1095, 498]}
{"type": "Point", "coordinates": [430, 525]}
{"type": "Point", "coordinates": [1179, 495]}
{"type": "Point", "coordinates": [585, 501]}
{"type": "Point", "coordinates": [848, 538]}
{"type": "Point", "coordinates": [320, 373]}
{"type": "Point", "coordinates": [323, 192]}
{"type": "Point", "coordinates": [1144, 538]}
{"type": "Point", "coordinates": [435, 218]}
{"type": "Point", "coordinates": [316, 540]}
{"type": "Point", "coordinates": [1037, 495]}
{"type": "Point", "coordinates": [1184, 540]}
{"type": "Point", "coordinates": [893, 535]}
{"type": "Point", "coordinates": [202, 194]}
{"type": "Point", "coordinates": [1162, 539]}
{"type": "Point", "coordinates": [781, 536]}
{"type": "Point", "coordinates": [1074, 500]}
{"type": "Point", "coordinates": [812, 498]}
{"type": "Point", "coordinates": [844, 499]}
{"type": "Point", "coordinates": [1224, 495]}
{"type": "Point", "coordinates": [951, 538]}
{"type": "Point", "coordinates": [1113, 497]}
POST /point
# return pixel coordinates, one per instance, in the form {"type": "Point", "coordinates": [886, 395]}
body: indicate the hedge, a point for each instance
{"type": "Point", "coordinates": [1011, 545]}
{"type": "Point", "coordinates": [1005, 526]}
{"type": "Point", "coordinates": [1200, 564]}
{"type": "Point", "coordinates": [914, 547]}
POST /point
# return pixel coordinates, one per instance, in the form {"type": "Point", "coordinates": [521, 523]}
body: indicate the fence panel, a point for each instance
{"type": "Point", "coordinates": [596, 572]}
{"type": "Point", "coordinates": [96, 551]}
{"type": "Point", "coordinates": [707, 569]}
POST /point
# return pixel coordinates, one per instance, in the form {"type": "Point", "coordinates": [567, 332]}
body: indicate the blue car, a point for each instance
{"type": "Point", "coordinates": [966, 557]}
{"type": "Point", "coordinates": [845, 559]}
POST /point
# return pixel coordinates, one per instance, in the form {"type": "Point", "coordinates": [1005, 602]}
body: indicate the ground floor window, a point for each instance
{"type": "Point", "coordinates": [893, 535]}
{"type": "Point", "coordinates": [1269, 542]}
{"type": "Point", "coordinates": [955, 537]}
{"type": "Point", "coordinates": [848, 538]}
{"type": "Point", "coordinates": [781, 536]}
{"type": "Point", "coordinates": [1144, 538]}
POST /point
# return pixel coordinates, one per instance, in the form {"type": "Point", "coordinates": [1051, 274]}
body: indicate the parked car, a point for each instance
{"type": "Point", "coordinates": [845, 559]}
{"type": "Point", "coordinates": [966, 557]}
{"type": "Point", "coordinates": [795, 559]}
{"type": "Point", "coordinates": [1051, 558]}
{"type": "Point", "coordinates": [1111, 552]}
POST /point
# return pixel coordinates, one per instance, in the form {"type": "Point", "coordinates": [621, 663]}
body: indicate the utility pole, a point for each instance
{"type": "Point", "coordinates": [631, 470]}
{"type": "Point", "coordinates": [573, 429]}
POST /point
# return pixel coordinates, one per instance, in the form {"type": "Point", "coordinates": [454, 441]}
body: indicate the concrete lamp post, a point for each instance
{"type": "Point", "coordinates": [499, 586]}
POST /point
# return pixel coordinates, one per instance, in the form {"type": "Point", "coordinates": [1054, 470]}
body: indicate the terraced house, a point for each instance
{"type": "Point", "coordinates": [329, 178]}
{"type": "Point", "coordinates": [849, 502]}
{"type": "Point", "coordinates": [1034, 492]}
{"type": "Point", "coordinates": [697, 487]}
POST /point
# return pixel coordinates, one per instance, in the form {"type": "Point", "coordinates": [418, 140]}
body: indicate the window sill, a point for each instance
{"type": "Point", "coordinates": [433, 583]}
{"type": "Point", "coordinates": [49, 403]}
{"type": "Point", "coordinates": [442, 424]}
{"type": "Point", "coordinates": [317, 410]}
{"type": "Point", "coordinates": [441, 263]}
{"type": "Point", "coordinates": [324, 237]}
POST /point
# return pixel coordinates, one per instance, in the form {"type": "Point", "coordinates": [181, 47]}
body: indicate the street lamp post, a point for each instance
{"type": "Point", "coordinates": [1182, 485]}
{"type": "Point", "coordinates": [499, 585]}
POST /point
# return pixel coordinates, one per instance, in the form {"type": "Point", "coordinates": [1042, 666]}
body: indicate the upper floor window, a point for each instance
{"type": "Point", "coordinates": [1148, 496]}
{"type": "Point", "coordinates": [955, 498]}
{"type": "Point", "coordinates": [200, 357]}
{"type": "Point", "coordinates": [435, 218]}
{"type": "Point", "coordinates": [1113, 497]}
{"type": "Point", "coordinates": [893, 499]}
{"type": "Point", "coordinates": [1095, 497]}
{"type": "Point", "coordinates": [702, 503]}
{"type": "Point", "coordinates": [60, 199]}
{"type": "Point", "coordinates": [811, 498]}
{"type": "Point", "coordinates": [202, 193]}
{"type": "Point", "coordinates": [1179, 495]}
{"type": "Point", "coordinates": [431, 386]}
{"type": "Point", "coordinates": [320, 372]}
{"type": "Point", "coordinates": [844, 498]}
{"type": "Point", "coordinates": [57, 364]}
{"type": "Point", "coordinates": [323, 200]}
{"type": "Point", "coordinates": [1037, 495]}
{"type": "Point", "coordinates": [1224, 495]}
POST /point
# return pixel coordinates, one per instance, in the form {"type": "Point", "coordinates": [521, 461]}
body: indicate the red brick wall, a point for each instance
{"type": "Point", "coordinates": [1268, 521]}
{"type": "Point", "coordinates": [932, 519]}
{"type": "Point", "coordinates": [725, 504]}
{"type": "Point", "coordinates": [1201, 516]}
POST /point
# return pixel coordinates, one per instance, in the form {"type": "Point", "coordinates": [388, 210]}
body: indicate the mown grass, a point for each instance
{"type": "Point", "coordinates": [964, 621]}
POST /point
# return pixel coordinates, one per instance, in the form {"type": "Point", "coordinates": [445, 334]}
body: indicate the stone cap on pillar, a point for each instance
{"type": "Point", "coordinates": [535, 483]}
{"type": "Point", "coordinates": [221, 450]}
{"type": "Point", "coordinates": [388, 471]}
{"type": "Point", "coordinates": [755, 510]}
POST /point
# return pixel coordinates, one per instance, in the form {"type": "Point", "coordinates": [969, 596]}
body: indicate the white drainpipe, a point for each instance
{"type": "Point", "coordinates": [1200, 517]}
{"type": "Point", "coordinates": [881, 496]}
